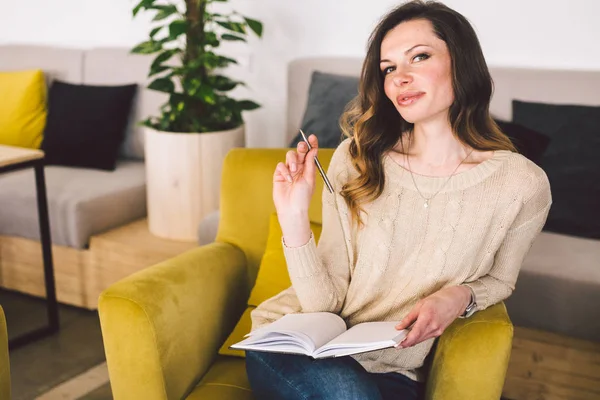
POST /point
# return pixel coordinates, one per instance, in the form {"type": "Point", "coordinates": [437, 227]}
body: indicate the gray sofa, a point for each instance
{"type": "Point", "coordinates": [82, 202]}
{"type": "Point", "coordinates": [87, 207]}
{"type": "Point", "coordinates": [558, 289]}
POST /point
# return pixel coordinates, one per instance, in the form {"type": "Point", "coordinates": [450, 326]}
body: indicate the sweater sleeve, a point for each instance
{"type": "Point", "coordinates": [499, 283]}
{"type": "Point", "coordinates": [320, 274]}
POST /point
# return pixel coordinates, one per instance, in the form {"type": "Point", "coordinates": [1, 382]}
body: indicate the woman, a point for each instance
{"type": "Point", "coordinates": [432, 214]}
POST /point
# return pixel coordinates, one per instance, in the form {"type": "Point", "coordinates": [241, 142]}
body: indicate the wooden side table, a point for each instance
{"type": "Point", "coordinates": [16, 158]}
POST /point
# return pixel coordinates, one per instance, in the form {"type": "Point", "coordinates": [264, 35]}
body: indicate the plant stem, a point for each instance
{"type": "Point", "coordinates": [194, 48]}
{"type": "Point", "coordinates": [195, 10]}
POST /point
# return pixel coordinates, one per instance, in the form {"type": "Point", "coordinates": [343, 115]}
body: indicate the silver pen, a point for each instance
{"type": "Point", "coordinates": [323, 174]}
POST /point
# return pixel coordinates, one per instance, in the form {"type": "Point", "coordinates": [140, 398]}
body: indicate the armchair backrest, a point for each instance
{"type": "Point", "coordinates": [246, 200]}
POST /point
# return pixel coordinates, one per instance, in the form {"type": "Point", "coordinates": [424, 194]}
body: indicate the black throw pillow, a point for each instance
{"type": "Point", "coordinates": [86, 124]}
{"type": "Point", "coordinates": [530, 143]}
{"type": "Point", "coordinates": [327, 97]}
{"type": "Point", "coordinates": [572, 163]}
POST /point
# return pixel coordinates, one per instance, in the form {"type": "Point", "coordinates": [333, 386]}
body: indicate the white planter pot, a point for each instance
{"type": "Point", "coordinates": [183, 178]}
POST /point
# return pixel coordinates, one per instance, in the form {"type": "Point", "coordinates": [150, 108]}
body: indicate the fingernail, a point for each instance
{"type": "Point", "coordinates": [293, 167]}
{"type": "Point", "coordinates": [289, 178]}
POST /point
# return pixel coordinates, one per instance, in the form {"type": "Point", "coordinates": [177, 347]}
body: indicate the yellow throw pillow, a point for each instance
{"type": "Point", "coordinates": [22, 108]}
{"type": "Point", "coordinates": [273, 275]}
{"type": "Point", "coordinates": [243, 327]}
{"type": "Point", "coordinates": [272, 279]}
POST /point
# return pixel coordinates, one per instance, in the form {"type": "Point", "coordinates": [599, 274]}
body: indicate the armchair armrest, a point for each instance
{"type": "Point", "coordinates": [162, 326]}
{"type": "Point", "coordinates": [471, 357]}
{"type": "Point", "coordinates": [4, 361]}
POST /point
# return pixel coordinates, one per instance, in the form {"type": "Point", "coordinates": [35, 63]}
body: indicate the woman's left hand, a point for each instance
{"type": "Point", "coordinates": [433, 314]}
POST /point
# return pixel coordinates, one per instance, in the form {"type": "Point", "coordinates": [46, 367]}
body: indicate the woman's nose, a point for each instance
{"type": "Point", "coordinates": [401, 78]}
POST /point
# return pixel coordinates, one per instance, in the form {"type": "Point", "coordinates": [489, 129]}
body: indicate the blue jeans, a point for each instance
{"type": "Point", "coordinates": [290, 377]}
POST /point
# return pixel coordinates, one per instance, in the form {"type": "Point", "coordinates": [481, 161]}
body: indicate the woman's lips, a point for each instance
{"type": "Point", "coordinates": [407, 99]}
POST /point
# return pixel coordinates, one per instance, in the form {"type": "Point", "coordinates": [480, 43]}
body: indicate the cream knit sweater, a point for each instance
{"type": "Point", "coordinates": [476, 231]}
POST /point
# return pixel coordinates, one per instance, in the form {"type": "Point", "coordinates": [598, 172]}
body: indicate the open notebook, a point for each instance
{"type": "Point", "coordinates": [321, 335]}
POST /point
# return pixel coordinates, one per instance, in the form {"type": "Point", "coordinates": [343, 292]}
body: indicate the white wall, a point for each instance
{"type": "Point", "coordinates": [525, 33]}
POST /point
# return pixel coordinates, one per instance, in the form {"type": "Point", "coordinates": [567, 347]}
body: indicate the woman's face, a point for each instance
{"type": "Point", "coordinates": [417, 73]}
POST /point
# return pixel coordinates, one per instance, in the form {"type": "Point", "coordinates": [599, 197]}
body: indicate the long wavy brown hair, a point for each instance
{"type": "Point", "coordinates": [376, 126]}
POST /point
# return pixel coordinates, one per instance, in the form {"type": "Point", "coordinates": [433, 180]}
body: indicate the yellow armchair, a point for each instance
{"type": "Point", "coordinates": [4, 361]}
{"type": "Point", "coordinates": [163, 326]}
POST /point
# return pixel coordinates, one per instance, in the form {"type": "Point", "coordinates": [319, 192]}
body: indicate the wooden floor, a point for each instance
{"type": "Point", "coordinates": [547, 366]}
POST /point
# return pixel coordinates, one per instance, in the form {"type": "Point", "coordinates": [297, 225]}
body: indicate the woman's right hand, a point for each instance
{"type": "Point", "coordinates": [294, 180]}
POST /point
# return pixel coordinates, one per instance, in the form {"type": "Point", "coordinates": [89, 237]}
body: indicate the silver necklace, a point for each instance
{"type": "Point", "coordinates": [427, 199]}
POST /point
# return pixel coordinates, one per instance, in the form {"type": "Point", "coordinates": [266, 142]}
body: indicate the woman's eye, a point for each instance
{"type": "Point", "coordinates": [421, 57]}
{"type": "Point", "coordinates": [387, 70]}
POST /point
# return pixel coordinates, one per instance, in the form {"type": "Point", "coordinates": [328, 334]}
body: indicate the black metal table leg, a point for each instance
{"type": "Point", "coordinates": [51, 302]}
{"type": "Point", "coordinates": [42, 205]}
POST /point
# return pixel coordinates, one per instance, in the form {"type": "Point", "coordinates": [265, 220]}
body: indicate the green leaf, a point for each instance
{"type": "Point", "coordinates": [162, 57]}
{"type": "Point", "coordinates": [147, 47]}
{"type": "Point", "coordinates": [210, 60]}
{"type": "Point", "coordinates": [256, 26]}
{"type": "Point", "coordinates": [142, 4]}
{"type": "Point", "coordinates": [157, 70]}
{"type": "Point", "coordinates": [162, 85]}
{"type": "Point", "coordinates": [225, 61]}
{"type": "Point", "coordinates": [210, 38]}
{"type": "Point", "coordinates": [164, 12]}
{"type": "Point", "coordinates": [233, 26]}
{"type": "Point", "coordinates": [155, 31]}
{"type": "Point", "coordinates": [191, 86]}
{"type": "Point", "coordinates": [227, 36]}
{"type": "Point", "coordinates": [207, 94]}
{"type": "Point", "coordinates": [162, 6]}
{"type": "Point", "coordinates": [177, 28]}
{"type": "Point", "coordinates": [223, 83]}
{"type": "Point", "coordinates": [247, 105]}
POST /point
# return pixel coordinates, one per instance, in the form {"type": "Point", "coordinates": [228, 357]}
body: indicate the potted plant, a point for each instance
{"type": "Point", "coordinates": [199, 123]}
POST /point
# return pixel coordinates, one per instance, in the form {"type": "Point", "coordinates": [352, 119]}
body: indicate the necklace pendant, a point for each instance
{"type": "Point", "coordinates": [426, 205]}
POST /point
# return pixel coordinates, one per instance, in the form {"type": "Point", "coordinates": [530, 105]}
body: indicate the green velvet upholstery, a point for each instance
{"type": "Point", "coordinates": [4, 361]}
{"type": "Point", "coordinates": [163, 326]}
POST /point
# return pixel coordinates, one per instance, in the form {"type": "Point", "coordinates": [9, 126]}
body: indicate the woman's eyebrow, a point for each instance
{"type": "Point", "coordinates": [414, 47]}
{"type": "Point", "coordinates": [406, 52]}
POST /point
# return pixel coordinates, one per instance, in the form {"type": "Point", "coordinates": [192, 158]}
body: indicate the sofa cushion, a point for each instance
{"type": "Point", "coordinates": [22, 108]}
{"type": "Point", "coordinates": [86, 124]}
{"type": "Point", "coordinates": [225, 380]}
{"type": "Point", "coordinates": [558, 289]}
{"type": "Point", "coordinates": [328, 96]}
{"type": "Point", "coordinates": [208, 228]}
{"type": "Point", "coordinates": [81, 202]}
{"type": "Point", "coordinates": [531, 144]}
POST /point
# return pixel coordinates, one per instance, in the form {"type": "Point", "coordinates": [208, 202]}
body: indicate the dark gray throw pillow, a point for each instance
{"type": "Point", "coordinates": [528, 142]}
{"type": "Point", "coordinates": [86, 124]}
{"type": "Point", "coordinates": [571, 161]}
{"type": "Point", "coordinates": [327, 97]}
